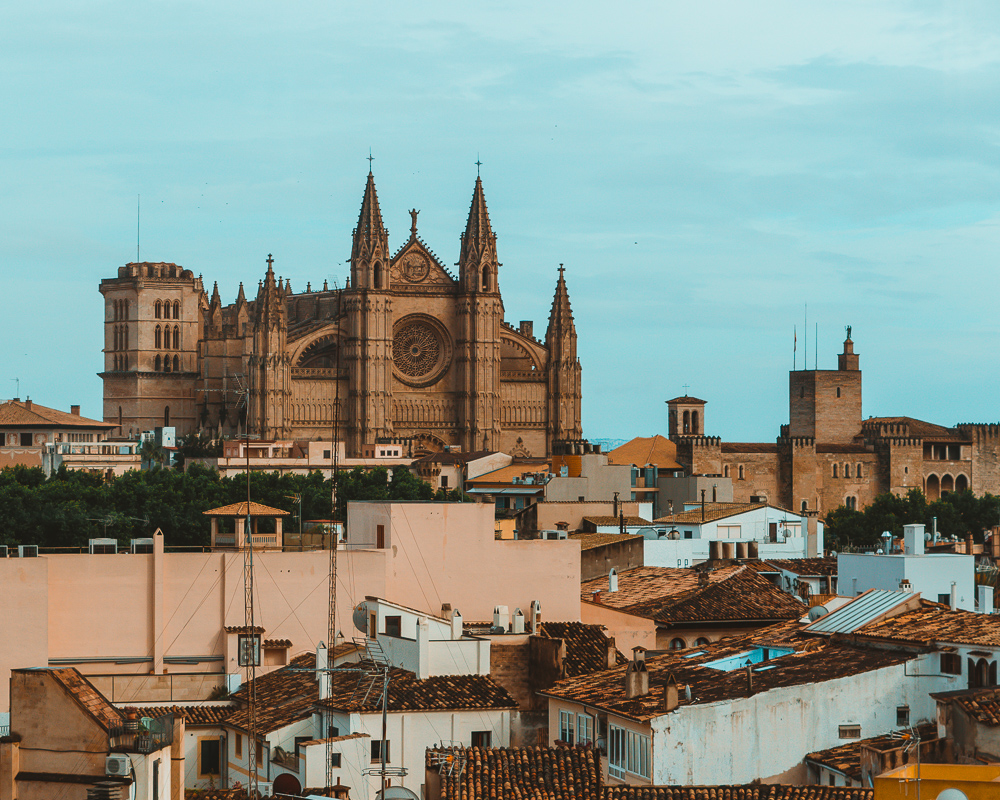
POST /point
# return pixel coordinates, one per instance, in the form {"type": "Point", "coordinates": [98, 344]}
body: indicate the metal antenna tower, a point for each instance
{"type": "Point", "coordinates": [331, 627]}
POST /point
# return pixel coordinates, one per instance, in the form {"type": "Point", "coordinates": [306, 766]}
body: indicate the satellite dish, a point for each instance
{"type": "Point", "coordinates": [396, 793]}
{"type": "Point", "coordinates": [816, 612]}
{"type": "Point", "coordinates": [361, 617]}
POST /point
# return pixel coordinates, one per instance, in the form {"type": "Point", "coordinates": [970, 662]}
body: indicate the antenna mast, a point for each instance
{"type": "Point", "coordinates": [331, 629]}
{"type": "Point", "coordinates": [138, 205]}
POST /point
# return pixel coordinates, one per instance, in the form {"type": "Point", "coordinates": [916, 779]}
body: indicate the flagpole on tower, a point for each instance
{"type": "Point", "coordinates": [795, 346]}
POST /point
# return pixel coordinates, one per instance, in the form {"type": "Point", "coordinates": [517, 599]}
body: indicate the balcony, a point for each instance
{"type": "Point", "coordinates": [145, 735]}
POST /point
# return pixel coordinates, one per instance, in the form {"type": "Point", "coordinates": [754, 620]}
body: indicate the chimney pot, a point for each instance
{"type": "Point", "coordinates": [74, 410]}
{"type": "Point", "coordinates": [636, 678]}
{"type": "Point", "coordinates": [670, 694]}
{"type": "Point", "coordinates": [27, 404]}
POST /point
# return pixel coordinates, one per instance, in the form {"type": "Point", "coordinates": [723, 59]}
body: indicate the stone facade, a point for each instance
{"type": "Point", "coordinates": [828, 455]}
{"type": "Point", "coordinates": [406, 351]}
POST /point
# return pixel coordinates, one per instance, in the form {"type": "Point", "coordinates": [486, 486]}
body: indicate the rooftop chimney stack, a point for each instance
{"type": "Point", "coordinates": [749, 671]}
{"type": "Point", "coordinates": [322, 676]}
{"type": "Point", "coordinates": [612, 652]}
{"type": "Point", "coordinates": [985, 599]}
{"type": "Point", "coordinates": [954, 595]}
{"type": "Point", "coordinates": [670, 695]}
{"type": "Point", "coordinates": [613, 580]}
{"type": "Point", "coordinates": [536, 617]}
{"type": "Point", "coordinates": [636, 675]}
{"type": "Point", "coordinates": [74, 410]}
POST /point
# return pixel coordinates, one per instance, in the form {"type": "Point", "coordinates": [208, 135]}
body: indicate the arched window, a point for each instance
{"type": "Point", "coordinates": [125, 361]}
{"type": "Point", "coordinates": [741, 472]}
{"type": "Point", "coordinates": [158, 309]}
{"type": "Point", "coordinates": [694, 422]}
{"type": "Point", "coordinates": [166, 363]}
{"type": "Point", "coordinates": [687, 422]}
{"type": "Point", "coordinates": [177, 310]}
{"type": "Point", "coordinates": [177, 364]}
{"type": "Point", "coordinates": [834, 470]}
{"type": "Point", "coordinates": [805, 506]}
{"type": "Point", "coordinates": [701, 641]}
{"type": "Point", "coordinates": [857, 470]}
{"type": "Point", "coordinates": [156, 364]}
{"type": "Point", "coordinates": [851, 503]}
{"type": "Point", "coordinates": [486, 279]}
{"type": "Point", "coordinates": [725, 471]}
{"type": "Point", "coordinates": [166, 416]}
{"type": "Point", "coordinates": [116, 333]}
{"type": "Point", "coordinates": [177, 337]}
{"type": "Point", "coordinates": [802, 391]}
{"type": "Point", "coordinates": [124, 309]}
{"type": "Point", "coordinates": [119, 418]}
{"type": "Point", "coordinates": [125, 346]}
{"type": "Point", "coordinates": [847, 470]}
{"type": "Point", "coordinates": [677, 644]}
{"type": "Point", "coordinates": [158, 337]}
{"type": "Point", "coordinates": [377, 275]}
{"type": "Point", "coordinates": [961, 483]}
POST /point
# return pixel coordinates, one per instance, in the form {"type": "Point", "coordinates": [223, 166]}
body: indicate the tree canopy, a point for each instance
{"type": "Point", "coordinates": [71, 507]}
{"type": "Point", "coordinates": [957, 514]}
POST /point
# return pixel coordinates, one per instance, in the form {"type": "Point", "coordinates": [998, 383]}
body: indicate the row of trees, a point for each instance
{"type": "Point", "coordinates": [957, 514]}
{"type": "Point", "coordinates": [71, 507]}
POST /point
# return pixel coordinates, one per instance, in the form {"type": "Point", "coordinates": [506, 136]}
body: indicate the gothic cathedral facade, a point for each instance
{"type": "Point", "coordinates": [406, 351]}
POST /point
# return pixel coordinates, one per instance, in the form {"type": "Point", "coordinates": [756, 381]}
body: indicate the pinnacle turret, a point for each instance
{"type": "Point", "coordinates": [269, 296]}
{"type": "Point", "coordinates": [478, 240]}
{"type": "Point", "coordinates": [370, 231]}
{"type": "Point", "coordinates": [561, 315]}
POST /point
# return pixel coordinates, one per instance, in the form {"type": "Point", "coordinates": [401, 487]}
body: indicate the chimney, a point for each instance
{"type": "Point", "coordinates": [703, 578]}
{"type": "Point", "coordinates": [536, 617]}
{"type": "Point", "coordinates": [968, 543]}
{"type": "Point", "coordinates": [595, 596]}
{"type": "Point", "coordinates": [749, 670]}
{"type": "Point", "coordinates": [670, 698]}
{"type": "Point", "coordinates": [423, 649]}
{"type": "Point", "coordinates": [517, 621]}
{"type": "Point", "coordinates": [613, 580]}
{"type": "Point", "coordinates": [985, 599]}
{"type": "Point", "coordinates": [74, 410]}
{"type": "Point", "coordinates": [612, 652]}
{"type": "Point", "coordinates": [322, 676]}
{"type": "Point", "coordinates": [954, 595]}
{"type": "Point", "coordinates": [456, 624]}
{"type": "Point", "coordinates": [27, 404]}
{"type": "Point", "coordinates": [636, 675]}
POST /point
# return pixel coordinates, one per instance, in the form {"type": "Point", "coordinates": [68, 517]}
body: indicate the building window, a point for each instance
{"type": "Point", "coordinates": [857, 471]}
{"type": "Point", "coordinates": [166, 416]}
{"type": "Point", "coordinates": [156, 364]}
{"type": "Point", "coordinates": [482, 739]}
{"type": "Point", "coordinates": [834, 470]}
{"type": "Point", "coordinates": [260, 753]}
{"type": "Point", "coordinates": [902, 716]}
{"type": "Point", "coordinates": [951, 663]}
{"type": "Point", "coordinates": [177, 310]}
{"type": "Point", "coordinates": [444, 481]}
{"type": "Point", "coordinates": [377, 276]}
{"type": "Point", "coordinates": [741, 472]}
{"type": "Point", "coordinates": [380, 537]}
{"type": "Point", "coordinates": [802, 392]}
{"type": "Point", "coordinates": [838, 391]}
{"type": "Point", "coordinates": [677, 644]}
{"type": "Point", "coordinates": [238, 745]}
{"type": "Point", "coordinates": [157, 338]}
{"type": "Point", "coordinates": [486, 279]}
{"type": "Point", "coordinates": [208, 757]}
{"type": "Point", "coordinates": [158, 309]}
{"type": "Point", "coordinates": [177, 364]}
{"type": "Point", "coordinates": [725, 471]}
{"type": "Point", "coordinates": [335, 760]}
{"type": "Point", "coordinates": [628, 751]}
{"type": "Point", "coordinates": [701, 641]}
{"type": "Point", "coordinates": [847, 470]}
{"type": "Point", "coordinates": [377, 745]}
{"type": "Point", "coordinates": [394, 626]}
{"type": "Point", "coordinates": [804, 506]}
{"type": "Point", "coordinates": [26, 440]}
{"type": "Point", "coordinates": [332, 732]}
{"type": "Point", "coordinates": [177, 337]}
{"type": "Point", "coordinates": [566, 727]}
{"type": "Point", "coordinates": [850, 502]}
{"type": "Point", "coordinates": [849, 731]}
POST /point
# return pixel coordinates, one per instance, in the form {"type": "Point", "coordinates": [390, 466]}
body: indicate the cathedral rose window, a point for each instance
{"type": "Point", "coordinates": [421, 350]}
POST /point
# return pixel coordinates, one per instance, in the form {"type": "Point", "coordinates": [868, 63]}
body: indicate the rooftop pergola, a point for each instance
{"type": "Point", "coordinates": [238, 513]}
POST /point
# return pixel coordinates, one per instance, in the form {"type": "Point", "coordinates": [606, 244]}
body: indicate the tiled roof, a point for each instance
{"type": "Point", "coordinates": [686, 399]}
{"type": "Point", "coordinates": [933, 623]}
{"type": "Point", "coordinates": [676, 596]}
{"type": "Point", "coordinates": [437, 693]}
{"type": "Point", "coordinates": [452, 458]}
{"type": "Point", "coordinates": [799, 566]}
{"type": "Point", "coordinates": [86, 694]}
{"type": "Point", "coordinates": [515, 470]}
{"type": "Point", "coordinates": [643, 450]}
{"type": "Point", "coordinates": [713, 511]}
{"type": "Point", "coordinates": [586, 646]}
{"type": "Point", "coordinates": [814, 661]}
{"type": "Point", "coordinates": [542, 773]}
{"type": "Point", "coordinates": [244, 629]}
{"type": "Point", "coordinates": [334, 739]}
{"type": "Point", "coordinates": [846, 758]}
{"type": "Point", "coordinates": [588, 541]}
{"type": "Point", "coordinates": [277, 643]}
{"type": "Point", "coordinates": [17, 413]}
{"type": "Point", "coordinates": [983, 705]}
{"type": "Point", "coordinates": [609, 520]}
{"type": "Point", "coordinates": [284, 696]}
{"type": "Point", "coordinates": [525, 773]}
{"type": "Point", "coordinates": [240, 510]}
{"type": "Point", "coordinates": [747, 792]}
{"type": "Point", "coordinates": [194, 716]}
{"type": "Point", "coordinates": [920, 429]}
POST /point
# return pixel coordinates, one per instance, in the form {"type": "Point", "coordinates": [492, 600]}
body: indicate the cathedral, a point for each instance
{"type": "Point", "coordinates": [406, 352]}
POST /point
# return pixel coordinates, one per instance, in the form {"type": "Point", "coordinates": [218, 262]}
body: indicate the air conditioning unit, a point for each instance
{"type": "Point", "coordinates": [103, 546]}
{"type": "Point", "coordinates": [27, 550]}
{"type": "Point", "coordinates": [117, 765]}
{"type": "Point", "coordinates": [142, 545]}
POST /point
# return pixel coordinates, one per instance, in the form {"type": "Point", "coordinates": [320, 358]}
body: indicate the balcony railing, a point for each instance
{"type": "Point", "coordinates": [146, 735]}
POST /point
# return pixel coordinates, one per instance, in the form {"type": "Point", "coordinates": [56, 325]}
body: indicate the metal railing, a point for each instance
{"type": "Point", "coordinates": [146, 735]}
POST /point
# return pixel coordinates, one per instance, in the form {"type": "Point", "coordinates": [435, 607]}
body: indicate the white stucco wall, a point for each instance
{"type": "Point", "coordinates": [931, 575]}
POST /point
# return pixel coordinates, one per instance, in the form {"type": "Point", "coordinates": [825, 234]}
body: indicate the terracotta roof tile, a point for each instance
{"type": "Point", "coordinates": [240, 510]}
{"type": "Point", "coordinates": [813, 661]}
{"type": "Point", "coordinates": [749, 447]}
{"type": "Point", "coordinates": [747, 792]}
{"type": "Point", "coordinates": [919, 428]}
{"type": "Point", "coordinates": [846, 758]}
{"type": "Point", "coordinates": [713, 511]}
{"type": "Point", "coordinates": [17, 413]}
{"type": "Point", "coordinates": [800, 566]}
{"type": "Point", "coordinates": [671, 596]}
{"type": "Point", "coordinates": [194, 716]}
{"type": "Point", "coordinates": [277, 643]}
{"type": "Point", "coordinates": [86, 694]}
{"type": "Point", "coordinates": [284, 696]}
{"type": "Point", "coordinates": [983, 705]}
{"type": "Point", "coordinates": [506, 474]}
{"type": "Point", "coordinates": [933, 623]}
{"type": "Point", "coordinates": [609, 520]}
{"type": "Point", "coordinates": [586, 646]}
{"type": "Point", "coordinates": [643, 450]}
{"type": "Point", "coordinates": [588, 541]}
{"type": "Point", "coordinates": [409, 693]}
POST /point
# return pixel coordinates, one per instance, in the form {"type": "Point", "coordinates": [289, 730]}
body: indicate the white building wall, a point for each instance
{"type": "Point", "coordinates": [143, 767]}
{"type": "Point", "coordinates": [931, 575]}
{"type": "Point", "coordinates": [740, 740]}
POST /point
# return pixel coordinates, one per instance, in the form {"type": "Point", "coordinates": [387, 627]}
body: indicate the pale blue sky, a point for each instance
{"type": "Point", "coordinates": [703, 170]}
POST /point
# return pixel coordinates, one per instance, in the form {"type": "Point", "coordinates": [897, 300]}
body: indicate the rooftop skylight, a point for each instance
{"type": "Point", "coordinates": [756, 656]}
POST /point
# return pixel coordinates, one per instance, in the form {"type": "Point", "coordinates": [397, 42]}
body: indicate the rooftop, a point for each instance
{"type": "Point", "coordinates": [715, 511]}
{"type": "Point", "coordinates": [657, 450]}
{"type": "Point", "coordinates": [194, 715]}
{"type": "Point", "coordinates": [240, 510]}
{"type": "Point", "coordinates": [590, 541]}
{"type": "Point", "coordinates": [808, 567]}
{"type": "Point", "coordinates": [846, 758]}
{"type": "Point", "coordinates": [30, 414]}
{"type": "Point", "coordinates": [933, 624]}
{"type": "Point", "coordinates": [810, 661]}
{"type": "Point", "coordinates": [284, 696]}
{"type": "Point", "coordinates": [983, 705]}
{"type": "Point", "coordinates": [586, 646]}
{"type": "Point", "coordinates": [452, 458]}
{"type": "Point", "coordinates": [505, 475]}
{"type": "Point", "coordinates": [610, 520]}
{"type": "Point", "coordinates": [673, 596]}
{"type": "Point", "coordinates": [95, 704]}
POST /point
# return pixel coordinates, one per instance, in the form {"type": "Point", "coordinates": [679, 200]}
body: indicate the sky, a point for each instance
{"type": "Point", "coordinates": [713, 175]}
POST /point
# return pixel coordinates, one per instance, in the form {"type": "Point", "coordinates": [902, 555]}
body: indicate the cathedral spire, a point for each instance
{"type": "Point", "coordinates": [241, 298]}
{"type": "Point", "coordinates": [216, 301]}
{"type": "Point", "coordinates": [561, 315]}
{"type": "Point", "coordinates": [478, 239]}
{"type": "Point", "coordinates": [370, 230]}
{"type": "Point", "coordinates": [268, 296]}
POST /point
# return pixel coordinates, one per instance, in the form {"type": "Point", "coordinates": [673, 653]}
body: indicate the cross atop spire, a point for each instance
{"type": "Point", "coordinates": [478, 165]}
{"type": "Point", "coordinates": [270, 262]}
{"type": "Point", "coordinates": [371, 158]}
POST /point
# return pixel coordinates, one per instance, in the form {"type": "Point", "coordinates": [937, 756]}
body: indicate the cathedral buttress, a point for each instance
{"type": "Point", "coordinates": [481, 316]}
{"type": "Point", "coordinates": [564, 368]}
{"type": "Point", "coordinates": [368, 306]}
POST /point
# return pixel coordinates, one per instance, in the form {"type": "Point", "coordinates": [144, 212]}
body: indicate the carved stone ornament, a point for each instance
{"type": "Point", "coordinates": [415, 267]}
{"type": "Point", "coordinates": [421, 350]}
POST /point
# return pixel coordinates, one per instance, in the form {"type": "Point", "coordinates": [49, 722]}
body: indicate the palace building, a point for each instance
{"type": "Point", "coordinates": [829, 455]}
{"type": "Point", "coordinates": [406, 351]}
